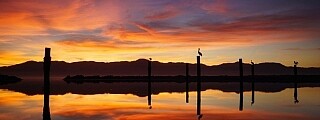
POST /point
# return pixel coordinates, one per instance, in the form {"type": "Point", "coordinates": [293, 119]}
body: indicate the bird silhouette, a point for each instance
{"type": "Point", "coordinates": [252, 63]}
{"type": "Point", "coordinates": [295, 62]}
{"type": "Point", "coordinates": [150, 59]}
{"type": "Point", "coordinates": [199, 52]}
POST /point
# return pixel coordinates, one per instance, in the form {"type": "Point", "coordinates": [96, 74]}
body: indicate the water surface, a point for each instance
{"type": "Point", "coordinates": [114, 105]}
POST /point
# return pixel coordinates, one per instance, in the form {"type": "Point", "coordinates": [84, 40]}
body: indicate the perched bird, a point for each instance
{"type": "Point", "coordinates": [252, 63]}
{"type": "Point", "coordinates": [150, 59]}
{"type": "Point", "coordinates": [295, 62]}
{"type": "Point", "coordinates": [199, 52]}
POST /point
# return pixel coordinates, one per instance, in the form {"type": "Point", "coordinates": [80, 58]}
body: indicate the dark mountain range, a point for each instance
{"type": "Point", "coordinates": [139, 68]}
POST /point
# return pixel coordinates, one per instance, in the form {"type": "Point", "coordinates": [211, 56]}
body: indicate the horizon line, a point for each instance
{"type": "Point", "coordinates": [7, 65]}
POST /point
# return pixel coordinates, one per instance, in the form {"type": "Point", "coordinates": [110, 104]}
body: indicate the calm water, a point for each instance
{"type": "Point", "coordinates": [122, 105]}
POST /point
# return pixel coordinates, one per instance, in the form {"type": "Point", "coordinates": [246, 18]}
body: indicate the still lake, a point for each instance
{"type": "Point", "coordinates": [129, 101]}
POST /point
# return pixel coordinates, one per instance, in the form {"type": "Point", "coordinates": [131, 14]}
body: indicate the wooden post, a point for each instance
{"type": "Point", "coordinates": [187, 82]}
{"type": "Point", "coordinates": [295, 94]}
{"type": "Point", "coordinates": [295, 71]}
{"type": "Point", "coordinates": [252, 83]}
{"type": "Point", "coordinates": [46, 90]}
{"type": "Point", "coordinates": [198, 87]}
{"type": "Point", "coordinates": [149, 84]}
{"type": "Point", "coordinates": [241, 85]}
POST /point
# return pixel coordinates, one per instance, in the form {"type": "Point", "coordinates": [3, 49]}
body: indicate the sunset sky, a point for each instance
{"type": "Point", "coordinates": [166, 30]}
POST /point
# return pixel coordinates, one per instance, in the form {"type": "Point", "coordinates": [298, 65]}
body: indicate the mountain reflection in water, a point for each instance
{"type": "Point", "coordinates": [215, 105]}
{"type": "Point", "coordinates": [116, 101]}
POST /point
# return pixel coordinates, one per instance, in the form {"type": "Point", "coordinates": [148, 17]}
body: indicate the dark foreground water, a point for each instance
{"type": "Point", "coordinates": [129, 101]}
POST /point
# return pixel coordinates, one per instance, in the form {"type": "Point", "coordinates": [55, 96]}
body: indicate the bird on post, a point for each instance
{"type": "Point", "coordinates": [150, 59]}
{"type": "Point", "coordinates": [295, 62]}
{"type": "Point", "coordinates": [199, 52]}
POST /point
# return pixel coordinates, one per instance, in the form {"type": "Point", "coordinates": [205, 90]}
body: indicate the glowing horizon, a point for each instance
{"type": "Point", "coordinates": [279, 31]}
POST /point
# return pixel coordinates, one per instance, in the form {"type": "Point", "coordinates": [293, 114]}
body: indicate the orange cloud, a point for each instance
{"type": "Point", "coordinates": [177, 37]}
{"type": "Point", "coordinates": [35, 17]}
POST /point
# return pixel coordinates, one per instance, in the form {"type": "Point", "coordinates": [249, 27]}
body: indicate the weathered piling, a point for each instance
{"type": "Point", "coordinates": [46, 86]}
{"type": "Point", "coordinates": [295, 71]}
{"type": "Point", "coordinates": [252, 83]}
{"type": "Point", "coordinates": [241, 85]}
{"type": "Point", "coordinates": [149, 84]}
{"type": "Point", "coordinates": [187, 82]}
{"type": "Point", "coordinates": [198, 86]}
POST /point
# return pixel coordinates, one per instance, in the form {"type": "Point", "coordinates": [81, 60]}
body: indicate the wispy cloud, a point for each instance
{"type": "Point", "coordinates": [167, 12]}
{"type": "Point", "coordinates": [283, 21]}
{"type": "Point", "coordinates": [142, 25]}
{"type": "Point", "coordinates": [301, 49]}
{"type": "Point", "coordinates": [38, 16]}
{"type": "Point", "coordinates": [145, 27]}
{"type": "Point", "coordinates": [217, 6]}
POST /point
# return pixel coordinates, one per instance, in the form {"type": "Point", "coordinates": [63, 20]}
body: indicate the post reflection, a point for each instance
{"type": "Point", "coordinates": [149, 95]}
{"type": "Point", "coordinates": [252, 83]}
{"type": "Point", "coordinates": [252, 92]}
{"type": "Point", "coordinates": [149, 84]}
{"type": "Point", "coordinates": [46, 88]}
{"type": "Point", "coordinates": [295, 94]}
{"type": "Point", "coordinates": [199, 115]}
{"type": "Point", "coordinates": [187, 82]}
{"type": "Point", "coordinates": [241, 85]}
{"type": "Point", "coordinates": [46, 107]}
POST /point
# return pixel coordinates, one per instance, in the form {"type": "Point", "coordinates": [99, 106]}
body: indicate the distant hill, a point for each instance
{"type": "Point", "coordinates": [139, 68]}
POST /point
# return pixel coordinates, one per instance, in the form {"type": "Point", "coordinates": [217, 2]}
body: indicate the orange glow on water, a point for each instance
{"type": "Point", "coordinates": [215, 105]}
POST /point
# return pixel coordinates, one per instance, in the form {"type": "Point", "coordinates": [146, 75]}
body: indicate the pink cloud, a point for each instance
{"type": "Point", "coordinates": [36, 17]}
{"type": "Point", "coordinates": [145, 28]}
{"type": "Point", "coordinates": [168, 11]}
{"type": "Point", "coordinates": [218, 6]}
{"type": "Point", "coordinates": [162, 15]}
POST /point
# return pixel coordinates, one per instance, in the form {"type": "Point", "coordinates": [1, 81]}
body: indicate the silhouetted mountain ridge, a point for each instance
{"type": "Point", "coordinates": [139, 68]}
